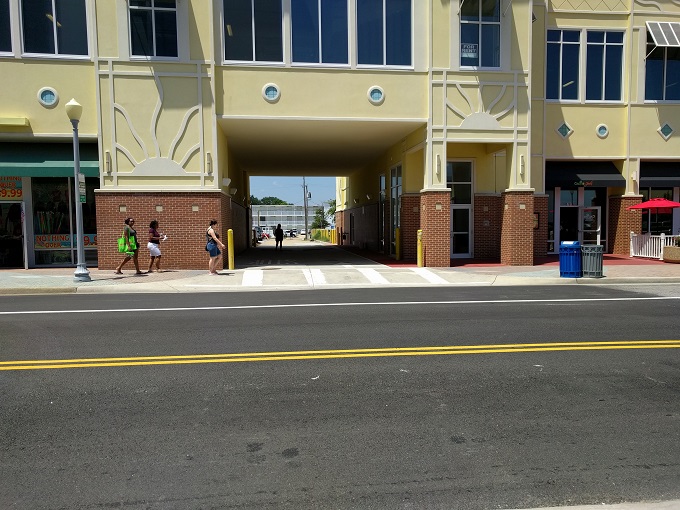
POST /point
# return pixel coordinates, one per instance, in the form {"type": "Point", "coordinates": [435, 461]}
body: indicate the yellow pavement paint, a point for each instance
{"type": "Point", "coordinates": [335, 354]}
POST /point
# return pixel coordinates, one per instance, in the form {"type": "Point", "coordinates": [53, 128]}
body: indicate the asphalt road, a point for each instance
{"type": "Point", "coordinates": [425, 398]}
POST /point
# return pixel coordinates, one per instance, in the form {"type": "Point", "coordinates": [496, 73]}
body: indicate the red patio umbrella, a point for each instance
{"type": "Point", "coordinates": [657, 205]}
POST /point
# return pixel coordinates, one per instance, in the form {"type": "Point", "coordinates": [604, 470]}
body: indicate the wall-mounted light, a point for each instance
{"type": "Point", "coordinates": [232, 191]}
{"type": "Point", "coordinates": [521, 165]}
{"type": "Point", "coordinates": [439, 167]}
{"type": "Point", "coordinates": [107, 162]}
{"type": "Point", "coordinates": [368, 196]}
{"type": "Point", "coordinates": [208, 163]}
{"type": "Point", "coordinates": [633, 175]}
{"type": "Point", "coordinates": [226, 182]}
{"type": "Point", "coordinates": [356, 200]}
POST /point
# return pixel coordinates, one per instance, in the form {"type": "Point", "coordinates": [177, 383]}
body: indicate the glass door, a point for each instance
{"type": "Point", "coordinates": [590, 225]}
{"type": "Point", "coordinates": [459, 179]}
{"type": "Point", "coordinates": [11, 235]}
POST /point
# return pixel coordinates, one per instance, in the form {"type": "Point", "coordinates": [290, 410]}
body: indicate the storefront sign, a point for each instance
{"type": "Point", "coordinates": [61, 241]}
{"type": "Point", "coordinates": [10, 188]}
{"type": "Point", "coordinates": [583, 184]}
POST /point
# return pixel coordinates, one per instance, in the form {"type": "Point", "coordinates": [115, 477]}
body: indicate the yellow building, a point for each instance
{"type": "Point", "coordinates": [497, 127]}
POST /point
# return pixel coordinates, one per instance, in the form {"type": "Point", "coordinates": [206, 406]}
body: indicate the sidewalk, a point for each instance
{"type": "Point", "coordinates": [304, 265]}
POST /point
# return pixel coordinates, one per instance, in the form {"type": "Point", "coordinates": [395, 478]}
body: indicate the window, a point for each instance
{"type": "Point", "coordinates": [384, 32]}
{"type": "Point", "coordinates": [54, 27]}
{"type": "Point", "coordinates": [253, 30]}
{"type": "Point", "coordinates": [604, 65]}
{"type": "Point", "coordinates": [320, 31]}
{"type": "Point", "coordinates": [662, 72]}
{"type": "Point", "coordinates": [153, 28]}
{"type": "Point", "coordinates": [480, 33]}
{"type": "Point", "coordinates": [562, 64]}
{"type": "Point", "coordinates": [5, 29]}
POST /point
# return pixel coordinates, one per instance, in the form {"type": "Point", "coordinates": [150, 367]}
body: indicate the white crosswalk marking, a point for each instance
{"type": "Point", "coordinates": [373, 275]}
{"type": "Point", "coordinates": [318, 277]}
{"type": "Point", "coordinates": [428, 275]}
{"type": "Point", "coordinates": [253, 278]}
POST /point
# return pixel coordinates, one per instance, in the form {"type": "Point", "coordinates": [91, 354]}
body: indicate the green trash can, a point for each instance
{"type": "Point", "coordinates": [591, 260]}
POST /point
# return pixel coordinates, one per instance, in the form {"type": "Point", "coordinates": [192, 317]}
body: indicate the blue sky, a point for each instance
{"type": "Point", "coordinates": [290, 188]}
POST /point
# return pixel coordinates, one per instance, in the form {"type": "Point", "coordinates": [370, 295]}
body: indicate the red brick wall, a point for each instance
{"type": "Point", "coordinates": [622, 222]}
{"type": "Point", "coordinates": [541, 233]}
{"type": "Point", "coordinates": [410, 223]}
{"type": "Point", "coordinates": [185, 247]}
{"type": "Point", "coordinates": [488, 218]}
{"type": "Point", "coordinates": [436, 226]}
{"type": "Point", "coordinates": [517, 234]}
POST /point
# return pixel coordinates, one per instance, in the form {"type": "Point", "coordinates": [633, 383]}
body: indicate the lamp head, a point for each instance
{"type": "Point", "coordinates": [74, 110]}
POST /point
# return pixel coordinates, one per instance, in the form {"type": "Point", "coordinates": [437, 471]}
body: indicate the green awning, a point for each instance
{"type": "Point", "coordinates": [46, 159]}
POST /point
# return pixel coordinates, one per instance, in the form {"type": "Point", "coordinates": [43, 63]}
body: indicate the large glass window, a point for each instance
{"type": "Point", "coordinates": [604, 65]}
{"type": "Point", "coordinates": [5, 28]}
{"type": "Point", "coordinates": [662, 72]}
{"type": "Point", "coordinates": [384, 32]}
{"type": "Point", "coordinates": [54, 27]}
{"type": "Point", "coordinates": [153, 28]}
{"type": "Point", "coordinates": [320, 31]}
{"type": "Point", "coordinates": [253, 30]}
{"type": "Point", "coordinates": [660, 221]}
{"type": "Point", "coordinates": [480, 33]}
{"type": "Point", "coordinates": [562, 64]}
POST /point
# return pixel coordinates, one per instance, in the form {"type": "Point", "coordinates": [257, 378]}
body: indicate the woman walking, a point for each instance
{"type": "Point", "coordinates": [154, 246]}
{"type": "Point", "coordinates": [212, 246]}
{"type": "Point", "coordinates": [131, 246]}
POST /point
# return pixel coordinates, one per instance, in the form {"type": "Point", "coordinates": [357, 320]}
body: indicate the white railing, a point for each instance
{"type": "Point", "coordinates": [649, 246]}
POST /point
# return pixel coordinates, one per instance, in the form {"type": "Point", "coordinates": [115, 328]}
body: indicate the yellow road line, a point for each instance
{"type": "Point", "coordinates": [335, 354]}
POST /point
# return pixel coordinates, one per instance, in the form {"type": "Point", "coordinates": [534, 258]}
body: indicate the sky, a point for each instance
{"type": "Point", "coordinates": [290, 189]}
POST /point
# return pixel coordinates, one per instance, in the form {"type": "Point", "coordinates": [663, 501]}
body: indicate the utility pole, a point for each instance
{"type": "Point", "coordinates": [307, 196]}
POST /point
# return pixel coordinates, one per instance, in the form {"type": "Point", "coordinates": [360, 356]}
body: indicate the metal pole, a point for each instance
{"type": "Point", "coordinates": [304, 189]}
{"type": "Point", "coordinates": [81, 273]}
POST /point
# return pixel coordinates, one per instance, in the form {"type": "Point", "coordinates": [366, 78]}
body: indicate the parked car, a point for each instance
{"type": "Point", "coordinates": [293, 232]}
{"type": "Point", "coordinates": [286, 233]}
{"type": "Point", "coordinates": [258, 233]}
{"type": "Point", "coordinates": [303, 232]}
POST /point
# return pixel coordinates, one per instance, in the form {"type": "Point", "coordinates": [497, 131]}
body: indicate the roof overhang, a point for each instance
{"type": "Point", "coordinates": [313, 147]}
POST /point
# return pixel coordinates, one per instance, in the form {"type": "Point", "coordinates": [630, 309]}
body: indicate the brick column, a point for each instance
{"type": "Point", "coordinates": [622, 222]}
{"type": "Point", "coordinates": [410, 223]}
{"type": "Point", "coordinates": [488, 219]}
{"type": "Point", "coordinates": [435, 221]}
{"type": "Point", "coordinates": [517, 236]}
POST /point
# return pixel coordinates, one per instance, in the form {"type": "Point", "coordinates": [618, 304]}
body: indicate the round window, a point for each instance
{"type": "Point", "coordinates": [271, 92]}
{"type": "Point", "coordinates": [602, 131]}
{"type": "Point", "coordinates": [376, 95]}
{"type": "Point", "coordinates": [48, 97]}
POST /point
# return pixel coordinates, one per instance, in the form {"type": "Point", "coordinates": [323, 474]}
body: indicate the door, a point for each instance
{"type": "Point", "coordinates": [11, 235]}
{"type": "Point", "coordinates": [459, 180]}
{"type": "Point", "coordinates": [590, 225]}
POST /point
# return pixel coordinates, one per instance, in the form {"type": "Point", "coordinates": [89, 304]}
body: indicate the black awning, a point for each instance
{"type": "Point", "coordinates": [576, 174]}
{"type": "Point", "coordinates": [659, 174]}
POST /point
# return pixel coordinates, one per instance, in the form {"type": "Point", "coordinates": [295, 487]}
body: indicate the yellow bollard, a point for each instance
{"type": "Point", "coordinates": [230, 248]}
{"type": "Point", "coordinates": [397, 243]}
{"type": "Point", "coordinates": [420, 248]}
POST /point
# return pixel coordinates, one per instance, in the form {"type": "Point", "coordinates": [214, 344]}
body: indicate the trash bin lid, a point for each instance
{"type": "Point", "coordinates": [570, 243]}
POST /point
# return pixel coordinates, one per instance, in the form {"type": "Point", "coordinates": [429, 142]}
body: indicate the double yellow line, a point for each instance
{"type": "Point", "coordinates": [334, 354]}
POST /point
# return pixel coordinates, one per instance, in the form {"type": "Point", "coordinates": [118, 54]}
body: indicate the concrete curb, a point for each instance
{"type": "Point", "coordinates": [661, 505]}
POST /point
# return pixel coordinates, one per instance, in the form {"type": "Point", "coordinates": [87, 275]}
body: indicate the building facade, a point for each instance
{"type": "Point", "coordinates": [288, 216]}
{"type": "Point", "coordinates": [498, 128]}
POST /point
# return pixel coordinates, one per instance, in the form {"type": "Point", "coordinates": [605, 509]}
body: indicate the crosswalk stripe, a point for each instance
{"type": "Point", "coordinates": [253, 278]}
{"type": "Point", "coordinates": [318, 277]}
{"type": "Point", "coordinates": [428, 275]}
{"type": "Point", "coordinates": [373, 275]}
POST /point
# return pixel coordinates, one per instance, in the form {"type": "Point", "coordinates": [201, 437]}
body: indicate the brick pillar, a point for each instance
{"type": "Point", "coordinates": [410, 223]}
{"type": "Point", "coordinates": [435, 221]}
{"type": "Point", "coordinates": [517, 236]}
{"type": "Point", "coordinates": [622, 222]}
{"type": "Point", "coordinates": [184, 217]}
{"type": "Point", "coordinates": [488, 218]}
{"type": "Point", "coordinates": [541, 233]}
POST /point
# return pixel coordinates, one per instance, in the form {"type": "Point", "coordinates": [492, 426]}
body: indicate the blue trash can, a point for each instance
{"type": "Point", "coordinates": [570, 259]}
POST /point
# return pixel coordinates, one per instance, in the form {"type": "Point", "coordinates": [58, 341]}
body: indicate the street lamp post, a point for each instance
{"type": "Point", "coordinates": [74, 111]}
